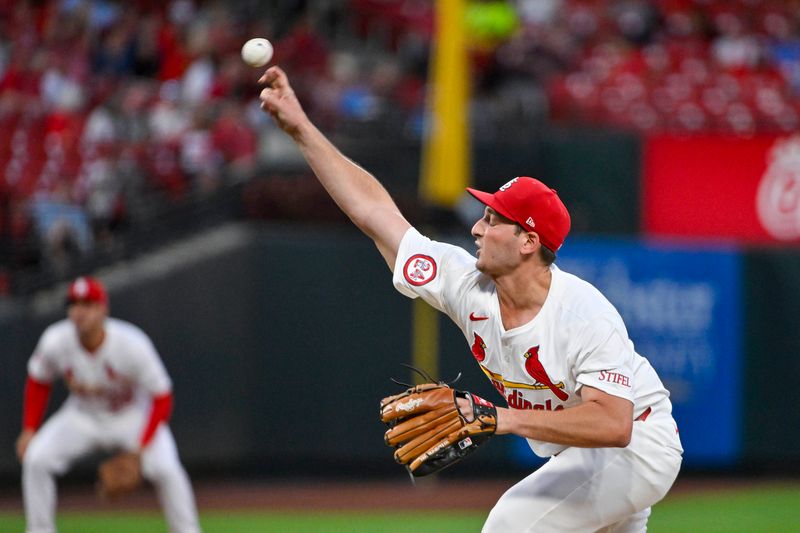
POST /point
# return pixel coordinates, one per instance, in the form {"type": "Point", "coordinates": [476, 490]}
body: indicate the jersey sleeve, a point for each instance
{"type": "Point", "coordinates": [605, 359]}
{"type": "Point", "coordinates": [148, 369]}
{"type": "Point", "coordinates": [435, 271]}
{"type": "Point", "coordinates": [43, 365]}
{"type": "Point", "coordinates": [160, 411]}
{"type": "Point", "coordinates": [34, 403]}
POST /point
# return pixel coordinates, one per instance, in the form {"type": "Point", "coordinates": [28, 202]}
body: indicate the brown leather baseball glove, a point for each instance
{"type": "Point", "coordinates": [429, 432]}
{"type": "Point", "coordinates": [119, 475]}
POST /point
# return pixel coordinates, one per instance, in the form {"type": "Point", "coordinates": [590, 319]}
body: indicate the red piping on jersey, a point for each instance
{"type": "Point", "coordinates": [642, 417]}
{"type": "Point", "coordinates": [160, 412]}
{"type": "Point", "coordinates": [37, 394]}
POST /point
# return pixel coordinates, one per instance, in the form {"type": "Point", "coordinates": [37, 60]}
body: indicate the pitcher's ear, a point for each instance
{"type": "Point", "coordinates": [532, 243]}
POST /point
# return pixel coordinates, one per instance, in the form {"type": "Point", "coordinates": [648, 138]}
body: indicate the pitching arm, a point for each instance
{"type": "Point", "coordinates": [359, 195]}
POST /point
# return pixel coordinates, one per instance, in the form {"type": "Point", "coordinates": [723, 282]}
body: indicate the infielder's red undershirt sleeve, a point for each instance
{"type": "Point", "coordinates": [34, 403]}
{"type": "Point", "coordinates": [160, 412]}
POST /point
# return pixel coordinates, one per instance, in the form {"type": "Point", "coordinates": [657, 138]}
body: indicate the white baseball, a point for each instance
{"type": "Point", "coordinates": [257, 52]}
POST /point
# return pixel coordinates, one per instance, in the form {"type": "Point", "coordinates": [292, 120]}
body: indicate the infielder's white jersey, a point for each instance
{"type": "Point", "coordinates": [124, 371]}
{"type": "Point", "coordinates": [577, 338]}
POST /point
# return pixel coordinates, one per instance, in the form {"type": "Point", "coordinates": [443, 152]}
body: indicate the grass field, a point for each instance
{"type": "Point", "coordinates": [756, 510]}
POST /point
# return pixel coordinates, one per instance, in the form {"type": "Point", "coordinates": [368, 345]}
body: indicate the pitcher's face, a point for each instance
{"type": "Point", "coordinates": [499, 242]}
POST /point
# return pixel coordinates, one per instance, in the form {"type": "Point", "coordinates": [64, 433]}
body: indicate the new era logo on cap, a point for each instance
{"type": "Point", "coordinates": [533, 205]}
{"type": "Point", "coordinates": [86, 289]}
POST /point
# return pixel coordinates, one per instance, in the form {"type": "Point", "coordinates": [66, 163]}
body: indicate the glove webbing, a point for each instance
{"type": "Point", "coordinates": [410, 451]}
{"type": "Point", "coordinates": [408, 429]}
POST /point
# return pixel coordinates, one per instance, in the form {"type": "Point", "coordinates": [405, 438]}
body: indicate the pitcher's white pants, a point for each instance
{"type": "Point", "coordinates": [72, 433]}
{"type": "Point", "coordinates": [587, 490]}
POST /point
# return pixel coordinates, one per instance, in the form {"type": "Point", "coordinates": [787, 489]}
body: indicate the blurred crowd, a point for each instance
{"type": "Point", "coordinates": [677, 65]}
{"type": "Point", "coordinates": [111, 109]}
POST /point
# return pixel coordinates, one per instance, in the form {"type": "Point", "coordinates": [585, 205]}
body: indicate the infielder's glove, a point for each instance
{"type": "Point", "coordinates": [119, 475]}
{"type": "Point", "coordinates": [429, 432]}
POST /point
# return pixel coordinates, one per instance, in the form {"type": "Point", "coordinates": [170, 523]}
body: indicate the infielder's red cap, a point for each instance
{"type": "Point", "coordinates": [533, 205]}
{"type": "Point", "coordinates": [87, 289]}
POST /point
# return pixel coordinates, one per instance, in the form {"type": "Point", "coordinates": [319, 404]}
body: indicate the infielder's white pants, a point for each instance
{"type": "Point", "coordinates": [595, 489]}
{"type": "Point", "coordinates": [71, 433]}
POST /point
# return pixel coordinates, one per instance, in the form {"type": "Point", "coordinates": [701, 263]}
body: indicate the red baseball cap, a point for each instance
{"type": "Point", "coordinates": [87, 289]}
{"type": "Point", "coordinates": [533, 205]}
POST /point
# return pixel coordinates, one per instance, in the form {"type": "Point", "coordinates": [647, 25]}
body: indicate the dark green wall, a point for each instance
{"type": "Point", "coordinates": [597, 173]}
{"type": "Point", "coordinates": [772, 358]}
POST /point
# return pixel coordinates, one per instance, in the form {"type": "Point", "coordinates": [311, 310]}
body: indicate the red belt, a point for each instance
{"type": "Point", "coordinates": [642, 417]}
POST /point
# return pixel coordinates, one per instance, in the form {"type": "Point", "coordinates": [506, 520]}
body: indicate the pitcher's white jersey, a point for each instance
{"type": "Point", "coordinates": [124, 371]}
{"type": "Point", "coordinates": [577, 338]}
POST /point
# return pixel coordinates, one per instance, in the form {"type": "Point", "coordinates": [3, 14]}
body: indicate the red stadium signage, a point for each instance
{"type": "Point", "coordinates": [746, 189]}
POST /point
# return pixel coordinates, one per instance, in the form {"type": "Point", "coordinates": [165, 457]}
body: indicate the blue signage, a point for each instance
{"type": "Point", "coordinates": [681, 306]}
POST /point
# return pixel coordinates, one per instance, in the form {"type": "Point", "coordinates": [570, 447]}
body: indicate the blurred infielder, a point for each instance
{"type": "Point", "coordinates": [550, 343]}
{"type": "Point", "coordinates": [120, 399]}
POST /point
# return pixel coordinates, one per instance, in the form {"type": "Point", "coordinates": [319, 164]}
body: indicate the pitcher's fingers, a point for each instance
{"type": "Point", "coordinates": [275, 77]}
{"type": "Point", "coordinates": [268, 97]}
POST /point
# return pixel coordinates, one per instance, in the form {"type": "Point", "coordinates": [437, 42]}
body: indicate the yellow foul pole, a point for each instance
{"type": "Point", "coordinates": [445, 157]}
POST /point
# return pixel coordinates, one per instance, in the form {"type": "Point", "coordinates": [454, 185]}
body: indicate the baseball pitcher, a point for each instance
{"type": "Point", "coordinates": [551, 344]}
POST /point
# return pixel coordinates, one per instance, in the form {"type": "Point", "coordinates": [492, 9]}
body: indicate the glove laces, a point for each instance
{"type": "Point", "coordinates": [427, 377]}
